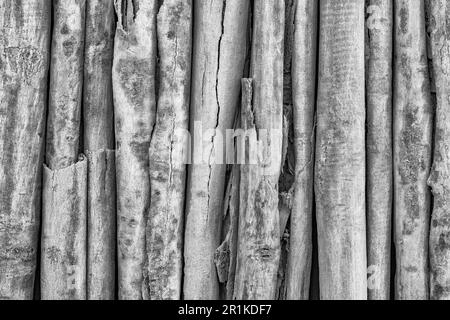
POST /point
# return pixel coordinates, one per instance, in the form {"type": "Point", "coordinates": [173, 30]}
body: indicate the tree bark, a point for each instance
{"type": "Point", "coordinates": [133, 77]}
{"type": "Point", "coordinates": [219, 52]}
{"type": "Point", "coordinates": [98, 128]}
{"type": "Point", "coordinates": [168, 150]}
{"type": "Point", "coordinates": [24, 63]}
{"type": "Point", "coordinates": [412, 150]}
{"type": "Point", "coordinates": [340, 151]}
{"type": "Point", "coordinates": [439, 244]}
{"type": "Point", "coordinates": [303, 91]}
{"type": "Point", "coordinates": [63, 253]}
{"type": "Point", "coordinates": [379, 147]}
{"type": "Point", "coordinates": [259, 225]}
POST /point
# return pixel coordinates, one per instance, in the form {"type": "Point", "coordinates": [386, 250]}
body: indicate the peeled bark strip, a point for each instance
{"type": "Point", "coordinates": [412, 150]}
{"type": "Point", "coordinates": [379, 147]}
{"type": "Point", "coordinates": [24, 63]}
{"type": "Point", "coordinates": [98, 138]}
{"type": "Point", "coordinates": [63, 259]}
{"type": "Point", "coordinates": [101, 225]}
{"type": "Point", "coordinates": [219, 52]}
{"type": "Point", "coordinates": [168, 149]}
{"type": "Point", "coordinates": [66, 83]}
{"type": "Point", "coordinates": [259, 221]}
{"type": "Point", "coordinates": [340, 151]}
{"type": "Point", "coordinates": [134, 110]}
{"type": "Point", "coordinates": [303, 91]}
{"type": "Point", "coordinates": [439, 244]}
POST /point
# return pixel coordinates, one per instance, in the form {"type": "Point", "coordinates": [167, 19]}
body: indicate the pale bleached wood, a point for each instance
{"type": "Point", "coordinates": [98, 121]}
{"type": "Point", "coordinates": [24, 62]}
{"type": "Point", "coordinates": [412, 132]}
{"type": "Point", "coordinates": [219, 52]}
{"type": "Point", "coordinates": [340, 151]}
{"type": "Point", "coordinates": [63, 244]}
{"type": "Point", "coordinates": [133, 77]}
{"type": "Point", "coordinates": [379, 147]}
{"type": "Point", "coordinates": [303, 91]}
{"type": "Point", "coordinates": [101, 225]}
{"type": "Point", "coordinates": [66, 84]}
{"type": "Point", "coordinates": [439, 243]}
{"type": "Point", "coordinates": [168, 150]}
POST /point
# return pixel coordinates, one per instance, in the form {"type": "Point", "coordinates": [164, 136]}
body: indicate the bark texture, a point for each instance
{"type": "Point", "coordinates": [379, 147]}
{"type": "Point", "coordinates": [412, 131]}
{"type": "Point", "coordinates": [133, 77]}
{"type": "Point", "coordinates": [98, 126]}
{"type": "Point", "coordinates": [439, 244]}
{"type": "Point", "coordinates": [303, 98]}
{"type": "Point", "coordinates": [168, 150]}
{"type": "Point", "coordinates": [340, 151]}
{"type": "Point", "coordinates": [219, 52]}
{"type": "Point", "coordinates": [24, 62]}
{"type": "Point", "coordinates": [262, 115]}
{"type": "Point", "coordinates": [63, 252]}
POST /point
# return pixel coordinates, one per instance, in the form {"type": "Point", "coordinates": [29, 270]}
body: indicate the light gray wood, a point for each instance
{"type": "Point", "coordinates": [24, 63]}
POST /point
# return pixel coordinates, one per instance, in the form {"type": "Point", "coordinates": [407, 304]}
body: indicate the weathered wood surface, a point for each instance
{"type": "Point", "coordinates": [66, 84]}
{"type": "Point", "coordinates": [412, 132]}
{"type": "Point", "coordinates": [439, 243]}
{"type": "Point", "coordinates": [303, 98]}
{"type": "Point", "coordinates": [168, 150]}
{"type": "Point", "coordinates": [101, 225]}
{"type": "Point", "coordinates": [219, 52]}
{"type": "Point", "coordinates": [98, 128]}
{"type": "Point", "coordinates": [133, 77]}
{"type": "Point", "coordinates": [340, 151]}
{"type": "Point", "coordinates": [63, 244]}
{"type": "Point", "coordinates": [379, 146]}
{"type": "Point", "coordinates": [24, 62]}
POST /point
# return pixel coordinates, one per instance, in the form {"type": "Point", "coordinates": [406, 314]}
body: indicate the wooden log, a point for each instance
{"type": "Point", "coordinates": [133, 77]}
{"type": "Point", "coordinates": [24, 63]}
{"type": "Point", "coordinates": [63, 252]}
{"type": "Point", "coordinates": [98, 121]}
{"type": "Point", "coordinates": [379, 147]}
{"type": "Point", "coordinates": [439, 243]}
{"type": "Point", "coordinates": [219, 52]}
{"type": "Point", "coordinates": [303, 92]}
{"type": "Point", "coordinates": [66, 84]}
{"type": "Point", "coordinates": [340, 151]}
{"type": "Point", "coordinates": [412, 131]}
{"type": "Point", "coordinates": [168, 150]}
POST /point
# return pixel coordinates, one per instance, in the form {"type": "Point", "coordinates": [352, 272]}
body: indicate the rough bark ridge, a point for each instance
{"type": "Point", "coordinates": [412, 150]}
{"type": "Point", "coordinates": [259, 227]}
{"type": "Point", "coordinates": [439, 244]}
{"type": "Point", "coordinates": [24, 62]}
{"type": "Point", "coordinates": [340, 151]}
{"type": "Point", "coordinates": [168, 151]}
{"type": "Point", "coordinates": [98, 121]}
{"type": "Point", "coordinates": [219, 52]}
{"type": "Point", "coordinates": [134, 109]}
{"type": "Point", "coordinates": [379, 187]}
{"type": "Point", "coordinates": [303, 92]}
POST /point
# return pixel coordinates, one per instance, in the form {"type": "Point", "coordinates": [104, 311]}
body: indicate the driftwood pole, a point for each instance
{"type": "Point", "coordinates": [63, 253]}
{"type": "Point", "coordinates": [340, 151]}
{"type": "Point", "coordinates": [412, 150]}
{"type": "Point", "coordinates": [24, 62]}
{"type": "Point", "coordinates": [168, 150]}
{"type": "Point", "coordinates": [98, 123]}
{"type": "Point", "coordinates": [134, 110]}
{"type": "Point", "coordinates": [259, 230]}
{"type": "Point", "coordinates": [439, 245]}
{"type": "Point", "coordinates": [219, 52]}
{"type": "Point", "coordinates": [303, 94]}
{"type": "Point", "coordinates": [379, 147]}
